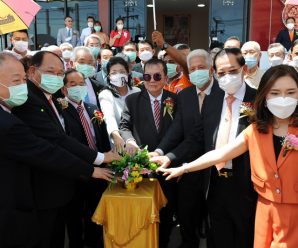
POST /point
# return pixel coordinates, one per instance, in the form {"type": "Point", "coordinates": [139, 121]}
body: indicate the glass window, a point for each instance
{"type": "Point", "coordinates": [228, 18]}
{"type": "Point", "coordinates": [134, 14]}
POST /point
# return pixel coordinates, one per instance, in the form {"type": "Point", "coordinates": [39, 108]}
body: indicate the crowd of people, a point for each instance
{"type": "Point", "coordinates": [223, 126]}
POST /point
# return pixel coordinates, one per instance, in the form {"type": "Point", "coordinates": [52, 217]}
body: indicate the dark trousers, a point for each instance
{"type": "Point", "coordinates": [232, 214]}
{"type": "Point", "coordinates": [191, 208]}
{"type": "Point", "coordinates": [166, 214]}
{"type": "Point", "coordinates": [52, 227]}
{"type": "Point", "coordinates": [80, 228]}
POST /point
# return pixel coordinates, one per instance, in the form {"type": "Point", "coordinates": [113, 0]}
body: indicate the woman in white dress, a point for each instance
{"type": "Point", "coordinates": [112, 99]}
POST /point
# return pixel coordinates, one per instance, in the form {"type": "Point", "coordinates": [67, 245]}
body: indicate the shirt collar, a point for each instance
{"type": "Point", "coordinates": [75, 104]}
{"type": "Point", "coordinates": [5, 108]}
{"type": "Point", "coordinates": [239, 93]}
{"type": "Point", "coordinates": [207, 91]}
{"type": "Point", "coordinates": [48, 96]}
{"type": "Point", "coordinates": [152, 98]}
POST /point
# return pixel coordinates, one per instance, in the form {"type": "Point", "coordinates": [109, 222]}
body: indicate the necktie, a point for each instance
{"type": "Point", "coordinates": [156, 114]}
{"type": "Point", "coordinates": [68, 33]}
{"type": "Point", "coordinates": [86, 127]}
{"type": "Point", "coordinates": [201, 99]}
{"type": "Point", "coordinates": [224, 132]}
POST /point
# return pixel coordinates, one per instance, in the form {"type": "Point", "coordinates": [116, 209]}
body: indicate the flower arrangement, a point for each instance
{"type": "Point", "coordinates": [169, 107]}
{"type": "Point", "coordinates": [246, 109]}
{"type": "Point", "coordinates": [290, 142]}
{"type": "Point", "coordinates": [98, 116]}
{"type": "Point", "coordinates": [131, 168]}
{"type": "Point", "coordinates": [63, 102]}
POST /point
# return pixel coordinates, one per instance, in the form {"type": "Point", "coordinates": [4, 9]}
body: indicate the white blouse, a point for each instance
{"type": "Point", "coordinates": [112, 107]}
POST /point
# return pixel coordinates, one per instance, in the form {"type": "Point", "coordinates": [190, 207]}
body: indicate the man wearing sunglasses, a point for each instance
{"type": "Point", "coordinates": [145, 120]}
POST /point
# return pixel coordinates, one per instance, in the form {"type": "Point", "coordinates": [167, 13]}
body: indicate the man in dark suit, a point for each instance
{"type": "Point", "coordinates": [44, 115]}
{"type": "Point", "coordinates": [191, 203]}
{"type": "Point", "coordinates": [145, 120]}
{"type": "Point", "coordinates": [145, 52]}
{"type": "Point", "coordinates": [287, 36]}
{"type": "Point", "coordinates": [84, 62]}
{"type": "Point", "coordinates": [231, 198]}
{"type": "Point", "coordinates": [21, 153]}
{"type": "Point", "coordinates": [81, 230]}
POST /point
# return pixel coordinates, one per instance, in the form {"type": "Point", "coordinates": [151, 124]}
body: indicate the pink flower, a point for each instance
{"type": "Point", "coordinates": [125, 174]}
{"type": "Point", "coordinates": [145, 171]}
{"type": "Point", "coordinates": [290, 142]}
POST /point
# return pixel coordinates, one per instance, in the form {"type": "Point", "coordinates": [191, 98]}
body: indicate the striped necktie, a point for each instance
{"type": "Point", "coordinates": [157, 114]}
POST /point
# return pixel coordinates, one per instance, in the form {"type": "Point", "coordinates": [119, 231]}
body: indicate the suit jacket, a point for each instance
{"type": "Point", "coordinates": [97, 86]}
{"type": "Point", "coordinates": [274, 180]}
{"type": "Point", "coordinates": [185, 119]}
{"type": "Point", "coordinates": [51, 190]}
{"type": "Point", "coordinates": [21, 153]}
{"type": "Point", "coordinates": [76, 127]}
{"type": "Point", "coordinates": [62, 35]}
{"type": "Point", "coordinates": [137, 119]}
{"type": "Point", "coordinates": [283, 38]}
{"type": "Point", "coordinates": [100, 78]}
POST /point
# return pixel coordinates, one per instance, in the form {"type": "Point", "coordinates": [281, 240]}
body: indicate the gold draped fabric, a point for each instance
{"type": "Point", "coordinates": [130, 218]}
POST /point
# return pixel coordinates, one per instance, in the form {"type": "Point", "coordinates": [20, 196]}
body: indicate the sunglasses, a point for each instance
{"type": "Point", "coordinates": [156, 77]}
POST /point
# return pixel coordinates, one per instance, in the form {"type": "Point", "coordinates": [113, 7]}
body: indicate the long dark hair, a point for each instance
{"type": "Point", "coordinates": [263, 118]}
{"type": "Point", "coordinates": [115, 61]}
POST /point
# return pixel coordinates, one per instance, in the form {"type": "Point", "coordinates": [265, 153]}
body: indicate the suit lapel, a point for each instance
{"type": "Point", "coordinates": [281, 158]}
{"type": "Point", "coordinates": [145, 106]}
{"type": "Point", "coordinates": [73, 112]}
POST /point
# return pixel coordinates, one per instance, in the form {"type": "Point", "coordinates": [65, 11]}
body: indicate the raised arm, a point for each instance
{"type": "Point", "coordinates": [226, 153]}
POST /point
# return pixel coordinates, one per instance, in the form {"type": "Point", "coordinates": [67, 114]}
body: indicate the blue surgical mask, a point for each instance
{"type": "Point", "coordinates": [199, 77]}
{"type": "Point", "coordinates": [97, 28]}
{"type": "Point", "coordinates": [251, 61]}
{"type": "Point", "coordinates": [95, 51]}
{"type": "Point", "coordinates": [172, 70]}
{"type": "Point", "coordinates": [77, 93]}
{"type": "Point", "coordinates": [18, 95]}
{"type": "Point", "coordinates": [86, 70]}
{"type": "Point", "coordinates": [132, 55]}
{"type": "Point", "coordinates": [51, 83]}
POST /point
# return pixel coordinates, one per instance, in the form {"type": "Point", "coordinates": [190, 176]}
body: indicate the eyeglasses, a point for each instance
{"type": "Point", "coordinates": [156, 77]}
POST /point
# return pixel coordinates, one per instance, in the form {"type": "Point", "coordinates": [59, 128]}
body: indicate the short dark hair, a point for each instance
{"type": "Point", "coordinates": [20, 31]}
{"type": "Point", "coordinates": [233, 38]}
{"type": "Point", "coordinates": [38, 57]}
{"type": "Point", "coordinates": [67, 17]}
{"type": "Point", "coordinates": [289, 18]}
{"type": "Point", "coordinates": [155, 61]}
{"type": "Point", "coordinates": [144, 42]}
{"type": "Point", "coordinates": [68, 72]}
{"type": "Point", "coordinates": [98, 22]}
{"type": "Point", "coordinates": [119, 19]}
{"type": "Point", "coordinates": [228, 51]}
{"type": "Point", "coordinates": [263, 118]}
{"type": "Point", "coordinates": [115, 61]}
{"type": "Point", "coordinates": [26, 61]}
{"type": "Point", "coordinates": [90, 17]}
{"type": "Point", "coordinates": [129, 43]}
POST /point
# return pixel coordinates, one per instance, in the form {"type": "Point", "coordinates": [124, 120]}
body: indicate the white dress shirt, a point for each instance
{"type": "Point", "coordinates": [100, 156]}
{"type": "Point", "coordinates": [60, 118]}
{"type": "Point", "coordinates": [152, 99]}
{"type": "Point", "coordinates": [90, 92]}
{"type": "Point", "coordinates": [85, 33]}
{"type": "Point", "coordinates": [19, 56]}
{"type": "Point", "coordinates": [239, 95]}
{"type": "Point", "coordinates": [112, 107]}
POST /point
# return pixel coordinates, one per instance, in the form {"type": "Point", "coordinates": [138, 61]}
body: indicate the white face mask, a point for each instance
{"type": "Point", "coordinates": [119, 79]}
{"type": "Point", "coordinates": [146, 55]}
{"type": "Point", "coordinates": [282, 107]}
{"type": "Point", "coordinates": [20, 45]}
{"type": "Point", "coordinates": [274, 61]}
{"type": "Point", "coordinates": [294, 63]}
{"type": "Point", "coordinates": [66, 54]}
{"type": "Point", "coordinates": [90, 24]}
{"type": "Point", "coordinates": [230, 83]}
{"type": "Point", "coordinates": [290, 26]}
{"type": "Point", "coordinates": [120, 26]}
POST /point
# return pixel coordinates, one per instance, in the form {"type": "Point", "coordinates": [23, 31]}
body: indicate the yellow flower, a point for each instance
{"type": "Point", "coordinates": [135, 173]}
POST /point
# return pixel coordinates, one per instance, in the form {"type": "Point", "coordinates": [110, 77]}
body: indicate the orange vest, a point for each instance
{"type": "Point", "coordinates": [276, 181]}
{"type": "Point", "coordinates": [178, 84]}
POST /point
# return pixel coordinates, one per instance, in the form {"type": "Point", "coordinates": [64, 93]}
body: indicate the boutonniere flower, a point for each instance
{"type": "Point", "coordinates": [246, 109]}
{"type": "Point", "coordinates": [63, 102]}
{"type": "Point", "coordinates": [98, 116]}
{"type": "Point", "coordinates": [290, 142]}
{"type": "Point", "coordinates": [169, 107]}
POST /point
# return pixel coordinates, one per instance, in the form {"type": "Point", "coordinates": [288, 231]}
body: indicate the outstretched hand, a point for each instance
{"type": "Point", "coordinates": [163, 161]}
{"type": "Point", "coordinates": [103, 173]}
{"type": "Point", "coordinates": [172, 172]}
{"type": "Point", "coordinates": [111, 156]}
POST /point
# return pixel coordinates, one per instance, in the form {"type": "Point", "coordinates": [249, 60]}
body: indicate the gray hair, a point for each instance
{"type": "Point", "coordinates": [79, 49]}
{"type": "Point", "coordinates": [66, 44]}
{"type": "Point", "coordinates": [279, 46]}
{"type": "Point", "coordinates": [255, 45]}
{"type": "Point", "coordinates": [91, 36]}
{"type": "Point", "coordinates": [6, 55]}
{"type": "Point", "coordinates": [199, 53]}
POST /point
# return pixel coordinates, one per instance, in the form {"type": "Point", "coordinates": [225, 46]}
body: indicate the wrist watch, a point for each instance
{"type": "Point", "coordinates": [165, 46]}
